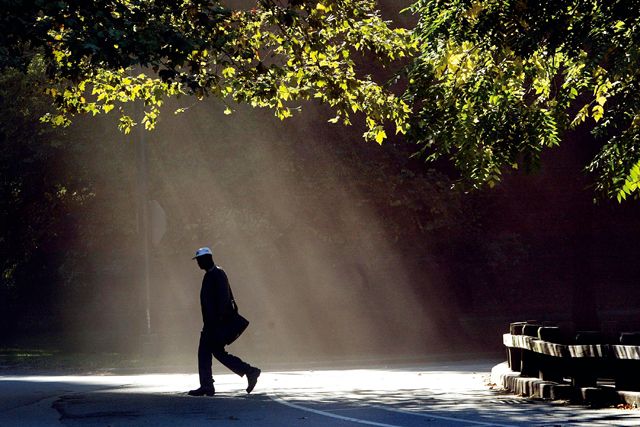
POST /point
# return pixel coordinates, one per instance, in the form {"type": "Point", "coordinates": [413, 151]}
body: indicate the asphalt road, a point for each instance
{"type": "Point", "coordinates": [456, 394]}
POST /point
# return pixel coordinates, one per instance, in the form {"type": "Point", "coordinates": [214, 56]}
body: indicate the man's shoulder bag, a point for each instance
{"type": "Point", "coordinates": [235, 324]}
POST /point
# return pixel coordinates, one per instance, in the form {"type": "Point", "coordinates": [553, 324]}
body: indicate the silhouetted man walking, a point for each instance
{"type": "Point", "coordinates": [215, 300]}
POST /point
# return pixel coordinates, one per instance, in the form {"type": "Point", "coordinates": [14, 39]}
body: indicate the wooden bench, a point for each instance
{"type": "Point", "coordinates": [546, 352]}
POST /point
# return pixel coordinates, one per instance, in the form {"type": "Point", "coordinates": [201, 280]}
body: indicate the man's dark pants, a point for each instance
{"type": "Point", "coordinates": [210, 346]}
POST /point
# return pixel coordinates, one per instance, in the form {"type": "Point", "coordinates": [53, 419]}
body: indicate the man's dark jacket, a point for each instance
{"type": "Point", "coordinates": [215, 300]}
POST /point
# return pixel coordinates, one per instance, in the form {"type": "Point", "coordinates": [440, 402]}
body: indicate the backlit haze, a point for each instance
{"type": "Point", "coordinates": [300, 214]}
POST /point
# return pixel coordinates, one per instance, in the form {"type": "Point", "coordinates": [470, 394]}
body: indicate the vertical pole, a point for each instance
{"type": "Point", "coordinates": [143, 210]}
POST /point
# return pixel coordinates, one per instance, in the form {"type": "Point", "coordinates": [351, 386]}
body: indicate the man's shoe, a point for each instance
{"type": "Point", "coordinates": [252, 379]}
{"type": "Point", "coordinates": [202, 392]}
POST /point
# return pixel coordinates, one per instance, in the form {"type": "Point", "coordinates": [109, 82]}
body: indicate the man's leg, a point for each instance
{"type": "Point", "coordinates": [204, 368]}
{"type": "Point", "coordinates": [234, 363]}
{"type": "Point", "coordinates": [237, 366]}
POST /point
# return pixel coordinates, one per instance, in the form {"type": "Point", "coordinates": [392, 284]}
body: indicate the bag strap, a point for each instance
{"type": "Point", "coordinates": [234, 306]}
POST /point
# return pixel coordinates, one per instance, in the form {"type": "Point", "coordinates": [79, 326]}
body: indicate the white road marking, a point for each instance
{"type": "Point", "coordinates": [278, 399]}
{"type": "Point", "coordinates": [440, 417]}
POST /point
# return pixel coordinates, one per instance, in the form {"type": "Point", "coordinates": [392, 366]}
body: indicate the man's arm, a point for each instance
{"type": "Point", "coordinates": [222, 298]}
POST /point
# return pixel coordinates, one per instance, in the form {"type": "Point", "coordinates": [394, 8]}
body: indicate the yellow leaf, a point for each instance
{"type": "Point", "coordinates": [284, 92]}
{"type": "Point", "coordinates": [597, 112]}
{"type": "Point", "coordinates": [380, 136]}
{"type": "Point", "coordinates": [475, 10]}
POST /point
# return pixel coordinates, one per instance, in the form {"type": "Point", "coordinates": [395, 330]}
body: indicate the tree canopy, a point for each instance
{"type": "Point", "coordinates": [489, 84]}
{"type": "Point", "coordinates": [495, 82]}
{"type": "Point", "coordinates": [103, 54]}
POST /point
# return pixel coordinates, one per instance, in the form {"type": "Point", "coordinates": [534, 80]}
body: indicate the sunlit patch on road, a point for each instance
{"type": "Point", "coordinates": [440, 395]}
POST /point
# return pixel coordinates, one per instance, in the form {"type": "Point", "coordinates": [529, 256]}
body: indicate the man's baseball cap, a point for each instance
{"type": "Point", "coordinates": [203, 251]}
